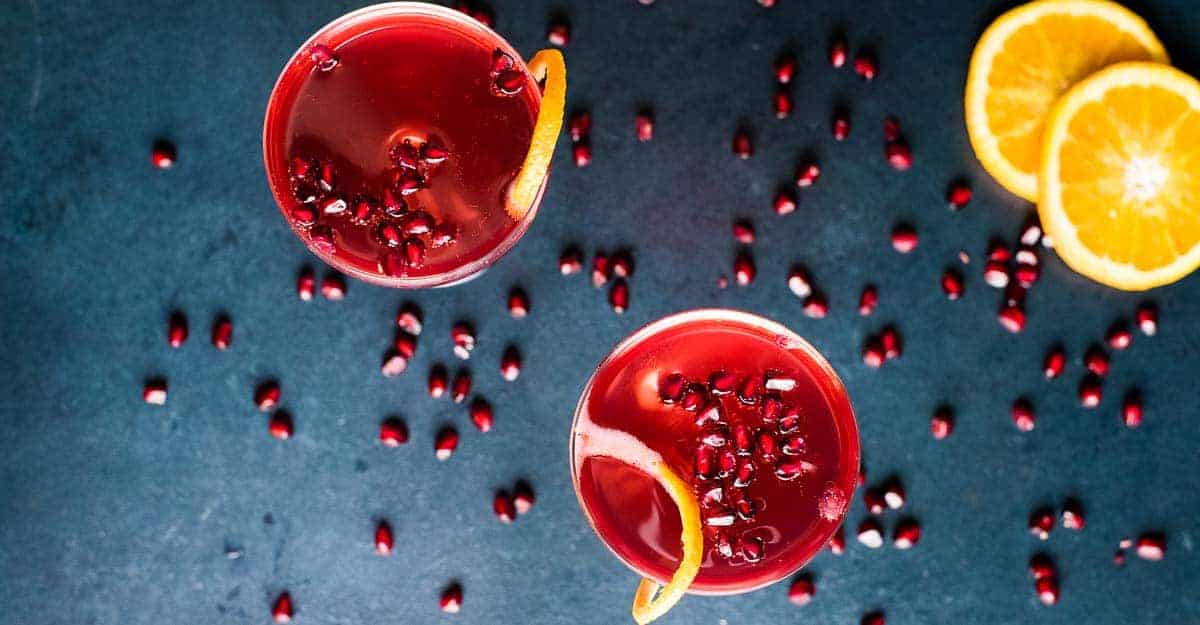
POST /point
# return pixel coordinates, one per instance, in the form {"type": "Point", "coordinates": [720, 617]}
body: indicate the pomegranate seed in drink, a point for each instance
{"type": "Point", "coordinates": [772, 408]}
{"type": "Point", "coordinates": [154, 392]}
{"type": "Point", "coordinates": [1011, 318]}
{"type": "Point", "coordinates": [801, 591]}
{"type": "Point", "coordinates": [807, 175]}
{"type": "Point", "coordinates": [323, 57]}
{"type": "Point", "coordinates": [1096, 361]}
{"type": "Point", "coordinates": [509, 83]}
{"type": "Point", "coordinates": [941, 424]}
{"type": "Point", "coordinates": [1040, 567]}
{"type": "Point", "coordinates": [904, 238]}
{"type": "Point", "coordinates": [799, 283]}
{"type": "Point", "coordinates": [837, 542]}
{"type": "Point", "coordinates": [321, 238]}
{"type": "Point", "coordinates": [482, 415]}
{"type": "Point", "coordinates": [162, 154]}
{"type": "Point", "coordinates": [1072, 515]}
{"type": "Point", "coordinates": [722, 383]}
{"type": "Point", "coordinates": [581, 153]}
{"type": "Point", "coordinates": [461, 386]}
{"type": "Point", "coordinates": [384, 541]}
{"type": "Point", "coordinates": [1023, 416]}
{"type": "Point", "coordinates": [952, 284]}
{"type": "Point", "coordinates": [643, 125]}
{"type": "Point", "coordinates": [306, 284]}
{"type": "Point", "coordinates": [774, 381]}
{"type": "Point", "coordinates": [618, 296]}
{"type": "Point", "coordinates": [438, 381]}
{"type": "Point", "coordinates": [393, 432]}
{"type": "Point", "coordinates": [445, 443]}
{"type": "Point", "coordinates": [907, 534]}
{"type": "Point", "coordinates": [304, 215]}
{"type": "Point", "coordinates": [510, 364]}
{"type": "Point", "coordinates": [889, 338]}
{"type": "Point", "coordinates": [1090, 392]}
{"type": "Point", "coordinates": [523, 498]}
{"type": "Point", "coordinates": [743, 231]}
{"type": "Point", "coordinates": [815, 306]}
{"type": "Point", "coordinates": [785, 202]}
{"type": "Point", "coordinates": [1131, 409]}
{"type": "Point", "coordinates": [266, 396]}
{"type": "Point", "coordinates": [280, 425]}
{"type": "Point", "coordinates": [841, 124]}
{"type": "Point", "coordinates": [1151, 547]}
{"type": "Point", "coordinates": [870, 534]}
{"type": "Point", "coordinates": [451, 600]}
{"type": "Point", "coordinates": [752, 547]}
{"type": "Point", "coordinates": [1041, 522]}
{"type": "Point", "coordinates": [671, 388]}
{"type": "Point", "coordinates": [995, 273]}
{"type": "Point", "coordinates": [601, 271]}
{"type": "Point", "coordinates": [569, 262]}
{"type": "Point", "coordinates": [281, 610]}
{"type": "Point", "coordinates": [837, 53]}
{"type": "Point", "coordinates": [1055, 361]}
{"type": "Point", "coordinates": [785, 68]}
{"type": "Point", "coordinates": [865, 66]}
{"type": "Point", "coordinates": [579, 125]}
{"type": "Point", "coordinates": [1119, 337]}
{"type": "Point", "coordinates": [899, 155]}
{"type": "Point", "coordinates": [177, 330]}
{"type": "Point", "coordinates": [463, 337]}
{"type": "Point", "coordinates": [333, 205]}
{"type": "Point", "coordinates": [743, 268]}
{"type": "Point", "coordinates": [1047, 590]}
{"type": "Point", "coordinates": [518, 303]}
{"type": "Point", "coordinates": [333, 287]}
{"type": "Point", "coordinates": [873, 354]}
{"type": "Point", "coordinates": [783, 103]}
{"type": "Point", "coordinates": [868, 300]}
{"type": "Point", "coordinates": [558, 34]}
{"type": "Point", "coordinates": [1147, 318]}
{"type": "Point", "coordinates": [893, 494]}
{"type": "Point", "coordinates": [742, 147]}
{"type": "Point", "coordinates": [958, 195]}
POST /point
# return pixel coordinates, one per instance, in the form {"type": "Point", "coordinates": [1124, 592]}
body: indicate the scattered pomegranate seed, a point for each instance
{"type": "Point", "coordinates": [333, 287]}
{"type": "Point", "coordinates": [461, 387]}
{"type": "Point", "coordinates": [1119, 558]}
{"type": "Point", "coordinates": [785, 202]}
{"type": "Point", "coordinates": [1022, 415]}
{"type": "Point", "coordinates": [1090, 392]}
{"type": "Point", "coordinates": [868, 300]}
{"type": "Point", "coordinates": [1147, 318]}
{"type": "Point", "coordinates": [995, 274]}
{"type": "Point", "coordinates": [1119, 337]}
{"type": "Point", "coordinates": [510, 364]}
{"type": "Point", "coordinates": [281, 610]}
{"type": "Point", "coordinates": [1041, 521]}
{"type": "Point", "coordinates": [801, 591]}
{"type": "Point", "coordinates": [892, 346]}
{"type": "Point", "coordinates": [837, 542]}
{"type": "Point", "coordinates": [523, 498]}
{"type": "Point", "coordinates": [266, 396]}
{"type": "Point", "coordinates": [394, 363]}
{"type": "Point", "coordinates": [785, 68]}
{"type": "Point", "coordinates": [446, 443]}
{"type": "Point", "coordinates": [482, 415]}
{"type": "Point", "coordinates": [154, 392]}
{"type": "Point", "coordinates": [766, 4]}
{"type": "Point", "coordinates": [600, 270]}
{"type": "Point", "coordinates": [1011, 318]}
{"type": "Point", "coordinates": [384, 541]}
{"type": "Point", "coordinates": [1055, 361]}
{"type": "Point", "coordinates": [438, 381]}
{"type": "Point", "coordinates": [742, 146]}
{"type": "Point", "coordinates": [409, 319]}
{"type": "Point", "coordinates": [405, 344]}
{"type": "Point", "coordinates": [643, 125]}
{"type": "Point", "coordinates": [799, 282]}
{"type": "Point", "coordinates": [177, 330]}
{"type": "Point", "coordinates": [1040, 567]}
{"type": "Point", "coordinates": [873, 618]}
{"type": "Point", "coordinates": [904, 238]}
{"type": "Point", "coordinates": [280, 425]}
{"type": "Point", "coordinates": [807, 175]}
{"type": "Point", "coordinates": [1072, 515]}
{"type": "Point", "coordinates": [893, 494]}
{"type": "Point", "coordinates": [941, 424]}
{"type": "Point", "coordinates": [743, 231]}
{"type": "Point", "coordinates": [907, 534]}
{"type": "Point", "coordinates": [866, 66]}
{"type": "Point", "coordinates": [1027, 274]}
{"type": "Point", "coordinates": [222, 333]}
{"type": "Point", "coordinates": [579, 125]}
{"type": "Point", "coordinates": [873, 501]}
{"type": "Point", "coordinates": [618, 296]}
{"type": "Point", "coordinates": [451, 600]}
{"type": "Point", "coordinates": [581, 152]}
{"type": "Point", "coordinates": [1096, 361]}
{"type": "Point", "coordinates": [306, 285]}
{"type": "Point", "coordinates": [952, 284]}
{"type": "Point", "coordinates": [841, 124]}
{"type": "Point", "coordinates": [504, 507]}
{"type": "Point", "coordinates": [891, 130]}
{"type": "Point", "coordinates": [1031, 231]}
{"type": "Point", "coordinates": [873, 354]}
{"type": "Point", "coordinates": [783, 103]}
{"type": "Point", "coordinates": [393, 432]}
{"type": "Point", "coordinates": [743, 268]}
{"type": "Point", "coordinates": [958, 195]}
{"type": "Point", "coordinates": [1047, 590]}
{"type": "Point", "coordinates": [463, 337]}
{"type": "Point", "coordinates": [815, 306]}
{"type": "Point", "coordinates": [518, 303]}
{"type": "Point", "coordinates": [162, 154]}
{"type": "Point", "coordinates": [1125, 543]}
{"type": "Point", "coordinates": [1151, 547]}
{"type": "Point", "coordinates": [870, 534]}
{"type": "Point", "coordinates": [899, 155]}
{"type": "Point", "coordinates": [558, 34]}
{"type": "Point", "coordinates": [569, 262]}
{"type": "Point", "coordinates": [621, 264]}
{"type": "Point", "coordinates": [837, 53]}
{"type": "Point", "coordinates": [1131, 409]}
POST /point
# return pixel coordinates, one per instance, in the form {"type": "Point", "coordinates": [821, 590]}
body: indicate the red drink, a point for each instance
{"type": "Point", "coordinates": [748, 413]}
{"type": "Point", "coordinates": [391, 139]}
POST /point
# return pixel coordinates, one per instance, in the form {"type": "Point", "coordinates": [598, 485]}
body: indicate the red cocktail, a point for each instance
{"type": "Point", "coordinates": [749, 416]}
{"type": "Point", "coordinates": [393, 138]}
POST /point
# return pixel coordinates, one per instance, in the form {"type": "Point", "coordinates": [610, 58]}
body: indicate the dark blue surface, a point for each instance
{"type": "Point", "coordinates": [112, 511]}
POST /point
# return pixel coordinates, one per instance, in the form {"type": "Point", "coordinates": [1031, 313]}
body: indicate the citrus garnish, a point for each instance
{"type": "Point", "coordinates": [1028, 58]}
{"type": "Point", "coordinates": [546, 65]}
{"type": "Point", "coordinates": [653, 600]}
{"type": "Point", "coordinates": [1120, 191]}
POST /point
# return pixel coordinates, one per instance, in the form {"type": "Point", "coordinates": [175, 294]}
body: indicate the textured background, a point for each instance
{"type": "Point", "coordinates": [112, 511]}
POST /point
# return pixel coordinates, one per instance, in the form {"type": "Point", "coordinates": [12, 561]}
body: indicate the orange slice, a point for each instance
{"type": "Point", "coordinates": [651, 599]}
{"type": "Point", "coordinates": [1120, 179]}
{"type": "Point", "coordinates": [546, 65]}
{"type": "Point", "coordinates": [1028, 58]}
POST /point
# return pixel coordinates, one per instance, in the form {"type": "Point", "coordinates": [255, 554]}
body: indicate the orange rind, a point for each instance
{"type": "Point", "coordinates": [546, 65]}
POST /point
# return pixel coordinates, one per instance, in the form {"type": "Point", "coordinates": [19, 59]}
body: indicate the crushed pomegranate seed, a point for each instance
{"type": "Point", "coordinates": [952, 284]}
{"type": "Point", "coordinates": [1151, 547]}
{"type": "Point", "coordinates": [866, 66]}
{"type": "Point", "coordinates": [280, 425]}
{"type": "Point", "coordinates": [815, 306]}
{"type": "Point", "coordinates": [941, 424]}
{"type": "Point", "coordinates": [1047, 590]}
{"type": "Point", "coordinates": [742, 146]}
{"type": "Point", "coordinates": [446, 443]}
{"type": "Point", "coordinates": [870, 534]}
{"type": "Point", "coordinates": [837, 53]}
{"type": "Point", "coordinates": [510, 363]}
{"type": "Point", "coordinates": [807, 175]}
{"type": "Point", "coordinates": [841, 124]}
{"type": "Point", "coordinates": [1096, 361]}
{"type": "Point", "coordinates": [333, 287]}
{"type": "Point", "coordinates": [1072, 515]}
{"type": "Point", "coordinates": [154, 392]}
{"type": "Point", "coordinates": [837, 542]}
{"type": "Point", "coordinates": [523, 498]}
{"type": "Point", "coordinates": [438, 381]}
{"type": "Point", "coordinates": [643, 125]}
{"type": "Point", "coordinates": [899, 155]}
{"type": "Point", "coordinates": [281, 610]}
{"type": "Point", "coordinates": [463, 337]}
{"type": "Point", "coordinates": [907, 534]}
{"type": "Point", "coordinates": [579, 125]}
{"type": "Point", "coordinates": [451, 600]}
{"type": "Point", "coordinates": [743, 268]}
{"type": "Point", "coordinates": [1041, 566]}
{"type": "Point", "coordinates": [177, 330]}
{"type": "Point", "coordinates": [569, 262]}
{"type": "Point", "coordinates": [958, 195]}
{"type": "Point", "coordinates": [558, 34]}
{"type": "Point", "coordinates": [783, 103]}
{"type": "Point", "coordinates": [1147, 318]}
{"type": "Point", "coordinates": [1011, 318]}
{"type": "Point", "coordinates": [393, 432]}
{"type": "Point", "coordinates": [618, 296]}
{"type": "Point", "coordinates": [785, 68]}
{"type": "Point", "coordinates": [1056, 360]}
{"type": "Point", "coordinates": [1119, 337]}
{"type": "Point", "coordinates": [868, 300]}
{"type": "Point", "coordinates": [801, 591]}
{"type": "Point", "coordinates": [482, 415]}
{"type": "Point", "coordinates": [409, 319]}
{"type": "Point", "coordinates": [799, 282]}
{"type": "Point", "coordinates": [503, 506]}
{"type": "Point", "coordinates": [1131, 409]}
{"type": "Point", "coordinates": [581, 153]}
{"type": "Point", "coordinates": [743, 231]}
{"type": "Point", "coordinates": [162, 154]}
{"type": "Point", "coordinates": [461, 386]}
{"type": "Point", "coordinates": [1090, 392]}
{"type": "Point", "coordinates": [904, 238]}
{"type": "Point", "coordinates": [1041, 521]}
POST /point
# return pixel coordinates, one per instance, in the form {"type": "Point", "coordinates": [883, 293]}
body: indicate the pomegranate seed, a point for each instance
{"type": "Point", "coordinates": [322, 57]}
{"type": "Point", "coordinates": [790, 469]}
{"type": "Point", "coordinates": [333, 205]}
{"type": "Point", "coordinates": [801, 591]}
{"type": "Point", "coordinates": [1119, 337]}
{"type": "Point", "coordinates": [281, 610]}
{"type": "Point", "coordinates": [907, 534]}
{"type": "Point", "coordinates": [451, 600]}
{"type": "Point", "coordinates": [305, 285]}
{"type": "Point", "coordinates": [1090, 392]}
{"type": "Point", "coordinates": [177, 329]}
{"type": "Point", "coordinates": [893, 494]}
{"type": "Point", "coordinates": [705, 463]}
{"type": "Point", "coordinates": [304, 215]}
{"type": "Point", "coordinates": [433, 153]}
{"type": "Point", "coordinates": [1041, 522]}
{"type": "Point", "coordinates": [1056, 359]}
{"type": "Point", "coordinates": [408, 319]}
{"type": "Point", "coordinates": [743, 232]}
{"type": "Point", "coordinates": [743, 268]}
{"type": "Point", "coordinates": [446, 443]}
{"type": "Point", "coordinates": [785, 68]}
{"type": "Point", "coordinates": [891, 130]}
{"type": "Point", "coordinates": [873, 501]}
{"type": "Point", "coordinates": [394, 363]}
{"type": "Point", "coordinates": [742, 146]}
{"type": "Point", "coordinates": [393, 432]}
{"type": "Point", "coordinates": [618, 296]}
{"type": "Point", "coordinates": [418, 223]}
{"type": "Point", "coordinates": [807, 175]}
{"type": "Point", "coordinates": [509, 83]}
{"type": "Point", "coordinates": [868, 300]}
{"type": "Point", "coordinates": [1119, 558]}
{"type": "Point", "coordinates": [693, 398]}
{"type": "Point", "coordinates": [783, 103]}
{"type": "Point", "coordinates": [785, 202]}
{"type": "Point", "coordinates": [866, 66]}
{"type": "Point", "coordinates": [484, 16]}
{"type": "Point", "coordinates": [1047, 590]}
{"type": "Point", "coordinates": [518, 303]}
{"type": "Point", "coordinates": [799, 282]}
{"type": "Point", "coordinates": [1022, 415]}
{"type": "Point", "coordinates": [1151, 547]}
{"type": "Point", "coordinates": [482, 415]}
{"type": "Point", "coordinates": [280, 425]}
{"type": "Point", "coordinates": [266, 396]}
{"type": "Point", "coordinates": [579, 125]}
{"type": "Point", "coordinates": [873, 618]}
{"type": "Point", "coordinates": [815, 306]}
{"type": "Point", "coordinates": [510, 364]}
{"type": "Point", "coordinates": [1041, 567]}
{"type": "Point", "coordinates": [1096, 361]}
{"type": "Point", "coordinates": [772, 407]}
{"type": "Point", "coordinates": [581, 153]}
{"type": "Point", "coordinates": [601, 271]}
{"type": "Point", "coordinates": [523, 498]}
{"type": "Point", "coordinates": [621, 264]}
{"type": "Point", "coordinates": [154, 392]}
{"type": "Point", "coordinates": [321, 238]}
{"type": "Point", "coordinates": [743, 441]}
{"type": "Point", "coordinates": [1147, 318]}
{"type": "Point", "coordinates": [995, 274]}
{"type": "Point", "coordinates": [873, 355]}
{"type": "Point", "coordinates": [327, 180]}
{"type": "Point", "coordinates": [941, 424]}
{"type": "Point", "coordinates": [1011, 318]}
{"type": "Point", "coordinates": [837, 53]}
{"type": "Point", "coordinates": [643, 125]}
{"type": "Point", "coordinates": [405, 344]}
{"type": "Point", "coordinates": [671, 388]}
{"type": "Point", "coordinates": [773, 381]}
{"type": "Point", "coordinates": [569, 262]}
{"type": "Point", "coordinates": [904, 238]}
{"type": "Point", "coordinates": [1031, 231]}
{"type": "Point", "coordinates": [1072, 515]}
{"type": "Point", "coordinates": [437, 381]}
{"type": "Point", "coordinates": [162, 154]}
{"type": "Point", "coordinates": [952, 284]}
{"type": "Point", "coordinates": [766, 444]}
{"type": "Point", "coordinates": [899, 155]}
{"type": "Point", "coordinates": [461, 387]}
{"type": "Point", "coordinates": [841, 125]}
{"type": "Point", "coordinates": [558, 34]}
{"type": "Point", "coordinates": [745, 474]}
{"type": "Point", "coordinates": [750, 391]}
{"type": "Point", "coordinates": [463, 337]}
{"type": "Point", "coordinates": [958, 195]}
{"type": "Point", "coordinates": [870, 534]}
{"type": "Point", "coordinates": [1026, 274]}
{"type": "Point", "coordinates": [1131, 409]}
{"type": "Point", "coordinates": [890, 339]}
{"type": "Point", "coordinates": [722, 383]}
{"type": "Point", "coordinates": [384, 541]}
{"type": "Point", "coordinates": [751, 548]}
{"type": "Point", "coordinates": [333, 287]}
{"type": "Point", "coordinates": [837, 542]}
